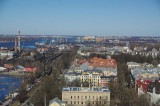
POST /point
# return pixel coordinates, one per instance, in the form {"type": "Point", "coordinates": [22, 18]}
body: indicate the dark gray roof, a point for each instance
{"type": "Point", "coordinates": [111, 76]}
{"type": "Point", "coordinates": [72, 73]}
{"type": "Point", "coordinates": [57, 100]}
{"type": "Point", "coordinates": [86, 89]}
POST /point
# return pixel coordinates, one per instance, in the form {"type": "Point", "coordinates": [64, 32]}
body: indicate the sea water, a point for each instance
{"type": "Point", "coordinates": [8, 84]}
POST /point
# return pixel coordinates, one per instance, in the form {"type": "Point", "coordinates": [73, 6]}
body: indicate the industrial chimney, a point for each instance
{"type": "Point", "coordinates": [19, 42]}
{"type": "Point", "coordinates": [15, 45]}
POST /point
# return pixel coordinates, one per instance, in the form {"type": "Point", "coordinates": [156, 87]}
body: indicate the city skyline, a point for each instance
{"type": "Point", "coordinates": [80, 17]}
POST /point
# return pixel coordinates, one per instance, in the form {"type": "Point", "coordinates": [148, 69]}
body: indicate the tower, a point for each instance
{"type": "Point", "coordinates": [15, 45]}
{"type": "Point", "coordinates": [19, 42]}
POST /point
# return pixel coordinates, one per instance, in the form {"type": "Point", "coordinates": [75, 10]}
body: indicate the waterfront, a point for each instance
{"type": "Point", "coordinates": [8, 84]}
{"type": "Point", "coordinates": [24, 44]}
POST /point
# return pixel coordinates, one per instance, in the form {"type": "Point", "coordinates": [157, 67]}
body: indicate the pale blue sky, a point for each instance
{"type": "Point", "coordinates": [81, 17]}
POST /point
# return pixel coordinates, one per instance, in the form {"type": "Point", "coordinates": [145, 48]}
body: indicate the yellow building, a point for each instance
{"type": "Point", "coordinates": [89, 38]}
{"type": "Point", "coordinates": [99, 39]}
{"type": "Point", "coordinates": [93, 78]}
{"type": "Point", "coordinates": [86, 96]}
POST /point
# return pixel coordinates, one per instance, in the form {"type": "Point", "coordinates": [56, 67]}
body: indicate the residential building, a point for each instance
{"type": "Point", "coordinates": [71, 76]}
{"type": "Point", "coordinates": [42, 49]}
{"type": "Point", "coordinates": [30, 69]}
{"type": "Point", "coordinates": [152, 88]}
{"type": "Point", "coordinates": [89, 38]}
{"type": "Point", "coordinates": [105, 80]}
{"type": "Point", "coordinates": [9, 66]}
{"type": "Point", "coordinates": [5, 53]}
{"type": "Point", "coordinates": [99, 39]}
{"type": "Point", "coordinates": [56, 102]}
{"type": "Point", "coordinates": [132, 65]}
{"type": "Point", "coordinates": [92, 78]}
{"type": "Point", "coordinates": [84, 96]}
{"type": "Point", "coordinates": [145, 73]}
{"type": "Point", "coordinates": [100, 62]}
{"type": "Point", "coordinates": [2, 69]}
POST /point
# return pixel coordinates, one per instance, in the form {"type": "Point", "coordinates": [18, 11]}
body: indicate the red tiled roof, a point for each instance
{"type": "Point", "coordinates": [82, 61]}
{"type": "Point", "coordinates": [100, 62]}
{"type": "Point", "coordinates": [9, 66]}
{"type": "Point", "coordinates": [31, 70]}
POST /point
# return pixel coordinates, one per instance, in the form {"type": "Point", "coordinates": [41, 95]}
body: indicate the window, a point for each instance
{"type": "Point", "coordinates": [71, 97]}
{"type": "Point", "coordinates": [78, 102]}
{"type": "Point", "coordinates": [71, 102]}
{"type": "Point", "coordinates": [74, 102]}
{"type": "Point", "coordinates": [74, 97]}
{"type": "Point", "coordinates": [100, 97]}
{"type": "Point", "coordinates": [82, 102]}
{"type": "Point", "coordinates": [85, 97]}
{"type": "Point", "coordinates": [78, 97]}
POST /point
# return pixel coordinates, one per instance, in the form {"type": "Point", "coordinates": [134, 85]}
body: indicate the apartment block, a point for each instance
{"type": "Point", "coordinates": [92, 78]}
{"type": "Point", "coordinates": [86, 96]}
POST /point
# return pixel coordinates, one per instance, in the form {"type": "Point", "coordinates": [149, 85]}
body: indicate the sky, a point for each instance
{"type": "Point", "coordinates": [80, 17]}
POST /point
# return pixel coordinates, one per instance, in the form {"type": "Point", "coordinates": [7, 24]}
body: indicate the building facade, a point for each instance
{"type": "Point", "coordinates": [56, 102]}
{"type": "Point", "coordinates": [72, 76]}
{"type": "Point", "coordinates": [92, 78]}
{"type": "Point", "coordinates": [86, 96]}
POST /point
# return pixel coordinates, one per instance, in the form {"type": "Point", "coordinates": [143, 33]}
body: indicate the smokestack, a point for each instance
{"type": "Point", "coordinates": [19, 42]}
{"type": "Point", "coordinates": [15, 45]}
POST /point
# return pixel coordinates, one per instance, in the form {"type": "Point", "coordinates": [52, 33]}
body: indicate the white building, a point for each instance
{"type": "Point", "coordinates": [72, 76]}
{"type": "Point", "coordinates": [132, 65]}
{"type": "Point", "coordinates": [2, 69]}
{"type": "Point", "coordinates": [6, 54]}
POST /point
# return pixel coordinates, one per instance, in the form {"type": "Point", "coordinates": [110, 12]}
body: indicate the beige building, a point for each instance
{"type": "Point", "coordinates": [100, 39]}
{"type": "Point", "coordinates": [85, 96]}
{"type": "Point", "coordinates": [91, 78]}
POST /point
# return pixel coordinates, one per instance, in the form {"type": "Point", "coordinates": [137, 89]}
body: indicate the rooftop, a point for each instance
{"type": "Point", "coordinates": [100, 62]}
{"type": "Point", "coordinates": [148, 72]}
{"type": "Point", "coordinates": [57, 100]}
{"type": "Point", "coordinates": [86, 89]}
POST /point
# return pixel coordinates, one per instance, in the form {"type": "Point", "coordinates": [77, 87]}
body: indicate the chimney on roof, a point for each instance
{"type": "Point", "coordinates": [108, 57]}
{"type": "Point", "coordinates": [81, 85]}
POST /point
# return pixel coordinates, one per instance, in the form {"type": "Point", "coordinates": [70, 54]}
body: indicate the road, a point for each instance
{"type": "Point", "coordinates": [7, 103]}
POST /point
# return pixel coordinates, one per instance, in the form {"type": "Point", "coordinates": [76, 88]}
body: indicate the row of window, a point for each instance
{"type": "Point", "coordinates": [93, 80]}
{"type": "Point", "coordinates": [88, 102]}
{"type": "Point", "coordinates": [97, 76]}
{"type": "Point", "coordinates": [90, 79]}
{"type": "Point", "coordinates": [88, 97]}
